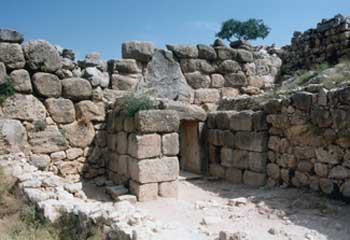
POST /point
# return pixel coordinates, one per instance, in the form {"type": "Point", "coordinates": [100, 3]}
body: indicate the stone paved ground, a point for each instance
{"type": "Point", "coordinates": [204, 208]}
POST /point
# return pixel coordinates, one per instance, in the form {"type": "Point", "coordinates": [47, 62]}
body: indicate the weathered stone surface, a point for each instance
{"type": "Point", "coordinates": [321, 169]}
{"type": "Point", "coordinates": [3, 73]}
{"type": "Point", "coordinates": [254, 179]}
{"type": "Point", "coordinates": [170, 144]}
{"type": "Point", "coordinates": [96, 77]}
{"type": "Point", "coordinates": [252, 141]}
{"type": "Point", "coordinates": [144, 192]}
{"type": "Point", "coordinates": [11, 55]}
{"type": "Point", "coordinates": [235, 80]}
{"type": "Point", "coordinates": [168, 189]}
{"type": "Point", "coordinates": [345, 189]}
{"type": "Point", "coordinates": [206, 96]}
{"type": "Point", "coordinates": [141, 51]}
{"type": "Point", "coordinates": [164, 77]}
{"type": "Point", "coordinates": [122, 142]}
{"type": "Point", "coordinates": [11, 36]}
{"type": "Point", "coordinates": [273, 171]}
{"type": "Point", "coordinates": [225, 53]}
{"type": "Point", "coordinates": [126, 66]}
{"type": "Point", "coordinates": [93, 59]}
{"type": "Point", "coordinates": [74, 153]}
{"type": "Point", "coordinates": [42, 56]}
{"type": "Point", "coordinates": [242, 121]}
{"type": "Point", "coordinates": [76, 88]}
{"type": "Point", "coordinates": [326, 185]}
{"type": "Point", "coordinates": [184, 51]}
{"type": "Point", "coordinates": [302, 101]}
{"type": "Point", "coordinates": [79, 134]}
{"type": "Point", "coordinates": [40, 161]}
{"type": "Point", "coordinates": [244, 56]}
{"type": "Point", "coordinates": [339, 172]}
{"type": "Point", "coordinates": [184, 110]}
{"type": "Point", "coordinates": [47, 85]}
{"type": "Point", "coordinates": [226, 155]}
{"type": "Point", "coordinates": [48, 141]}
{"type": "Point", "coordinates": [116, 191]}
{"type": "Point", "coordinates": [229, 92]}
{"type": "Point", "coordinates": [206, 52]}
{"type": "Point", "coordinates": [155, 170]}
{"type": "Point", "coordinates": [258, 162]}
{"type": "Point", "coordinates": [216, 170]}
{"type": "Point", "coordinates": [193, 65]}
{"type": "Point", "coordinates": [144, 146]}
{"type": "Point", "coordinates": [332, 155]}
{"type": "Point", "coordinates": [61, 110]}
{"type": "Point", "coordinates": [126, 82]}
{"type": "Point", "coordinates": [229, 66]}
{"type": "Point", "coordinates": [157, 121]}
{"type": "Point", "coordinates": [13, 136]}
{"type": "Point", "coordinates": [240, 159]}
{"type": "Point", "coordinates": [24, 107]}
{"type": "Point", "coordinates": [197, 80]}
{"type": "Point", "coordinates": [233, 175]}
{"type": "Point", "coordinates": [21, 81]}
{"type": "Point", "coordinates": [58, 156]}
{"type": "Point", "coordinates": [94, 111]}
{"type": "Point", "coordinates": [217, 81]}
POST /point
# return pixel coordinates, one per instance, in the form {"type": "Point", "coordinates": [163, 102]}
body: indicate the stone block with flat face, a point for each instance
{"type": "Point", "coordinates": [144, 146]}
{"type": "Point", "coordinates": [170, 144]}
{"type": "Point", "coordinates": [144, 192]}
{"type": "Point", "coordinates": [254, 179]}
{"type": "Point", "coordinates": [154, 170]}
{"type": "Point", "coordinates": [161, 121]}
{"type": "Point", "coordinates": [252, 141]}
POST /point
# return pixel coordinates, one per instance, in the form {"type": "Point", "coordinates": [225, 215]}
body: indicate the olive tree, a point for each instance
{"type": "Point", "coordinates": [243, 30]}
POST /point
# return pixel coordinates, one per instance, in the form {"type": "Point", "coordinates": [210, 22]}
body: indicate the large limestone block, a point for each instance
{"type": "Point", "coordinates": [13, 136]}
{"type": "Point", "coordinates": [11, 55]}
{"type": "Point", "coordinates": [252, 141]}
{"type": "Point", "coordinates": [184, 110]}
{"type": "Point", "coordinates": [198, 80]}
{"type": "Point", "coordinates": [11, 36]}
{"type": "Point", "coordinates": [235, 80]}
{"type": "Point", "coordinates": [126, 82]}
{"type": "Point", "coordinates": [184, 51]}
{"type": "Point", "coordinates": [96, 77]}
{"type": "Point", "coordinates": [24, 107]}
{"type": "Point", "coordinates": [225, 53]}
{"type": "Point", "coordinates": [170, 144]}
{"type": "Point", "coordinates": [206, 96]}
{"type": "Point", "coordinates": [254, 179]}
{"type": "Point", "coordinates": [242, 121]}
{"type": "Point", "coordinates": [42, 56]}
{"type": "Point", "coordinates": [21, 81]}
{"type": "Point", "coordinates": [125, 66]}
{"type": "Point", "coordinates": [47, 85]}
{"type": "Point", "coordinates": [47, 141]}
{"type": "Point", "coordinates": [61, 110]}
{"type": "Point", "coordinates": [155, 170]}
{"type": "Point", "coordinates": [140, 51]}
{"type": "Point", "coordinates": [76, 89]}
{"type": "Point", "coordinates": [144, 192]}
{"type": "Point", "coordinates": [94, 111]}
{"type": "Point", "coordinates": [193, 65]}
{"type": "Point", "coordinates": [161, 121]}
{"type": "Point", "coordinates": [3, 73]}
{"type": "Point", "coordinates": [164, 78]}
{"type": "Point", "coordinates": [206, 52]}
{"type": "Point", "coordinates": [80, 134]}
{"type": "Point", "coordinates": [144, 146]}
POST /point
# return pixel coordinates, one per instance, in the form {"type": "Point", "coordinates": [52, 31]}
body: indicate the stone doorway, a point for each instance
{"type": "Point", "coordinates": [192, 149]}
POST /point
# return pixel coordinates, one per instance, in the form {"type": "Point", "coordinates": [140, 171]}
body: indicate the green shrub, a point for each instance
{"type": "Point", "coordinates": [40, 125]}
{"type": "Point", "coordinates": [132, 104]}
{"type": "Point", "coordinates": [6, 90]}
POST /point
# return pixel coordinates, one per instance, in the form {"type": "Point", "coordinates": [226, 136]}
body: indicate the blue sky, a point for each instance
{"type": "Point", "coordinates": [102, 26]}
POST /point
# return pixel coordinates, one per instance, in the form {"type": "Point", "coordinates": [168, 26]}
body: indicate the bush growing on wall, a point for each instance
{"type": "Point", "coordinates": [6, 90]}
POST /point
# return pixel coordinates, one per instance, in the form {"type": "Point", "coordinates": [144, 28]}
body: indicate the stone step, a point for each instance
{"type": "Point", "coordinates": [116, 191]}
{"type": "Point", "coordinates": [185, 176]}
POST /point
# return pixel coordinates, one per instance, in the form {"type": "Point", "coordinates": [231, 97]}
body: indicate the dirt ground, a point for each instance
{"type": "Point", "coordinates": [204, 208]}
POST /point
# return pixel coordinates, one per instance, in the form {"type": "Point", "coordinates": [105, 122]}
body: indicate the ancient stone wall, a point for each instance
{"type": "Point", "coordinates": [143, 152]}
{"type": "Point", "coordinates": [238, 146]}
{"type": "Point", "coordinates": [309, 141]}
{"type": "Point", "coordinates": [328, 42]}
